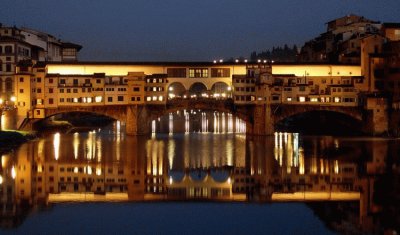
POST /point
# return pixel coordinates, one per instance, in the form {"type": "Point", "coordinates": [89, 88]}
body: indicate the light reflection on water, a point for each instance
{"type": "Point", "coordinates": [107, 165]}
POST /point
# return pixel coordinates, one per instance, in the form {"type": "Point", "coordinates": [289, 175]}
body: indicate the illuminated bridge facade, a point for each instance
{"type": "Point", "coordinates": [136, 93]}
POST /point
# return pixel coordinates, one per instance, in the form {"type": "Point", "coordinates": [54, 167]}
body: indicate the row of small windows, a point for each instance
{"type": "Point", "coordinates": [198, 72]}
{"type": "Point", "coordinates": [246, 89]}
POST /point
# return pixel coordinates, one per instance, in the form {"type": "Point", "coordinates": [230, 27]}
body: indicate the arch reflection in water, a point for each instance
{"type": "Point", "coordinates": [286, 167]}
{"type": "Point", "coordinates": [198, 121]}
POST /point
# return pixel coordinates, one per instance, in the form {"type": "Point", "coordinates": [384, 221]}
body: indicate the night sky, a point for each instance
{"type": "Point", "coordinates": [185, 30]}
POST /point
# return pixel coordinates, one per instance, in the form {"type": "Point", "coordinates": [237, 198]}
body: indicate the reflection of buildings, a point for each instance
{"type": "Point", "coordinates": [111, 167]}
{"type": "Point", "coordinates": [286, 172]}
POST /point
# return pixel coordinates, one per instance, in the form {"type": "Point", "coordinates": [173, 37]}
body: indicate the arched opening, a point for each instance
{"type": "Point", "coordinates": [221, 90]}
{"type": "Point", "coordinates": [73, 121]}
{"type": "Point", "coordinates": [176, 90]}
{"type": "Point", "coordinates": [321, 122]}
{"type": "Point", "coordinates": [198, 121]}
{"type": "Point", "coordinates": [198, 89]}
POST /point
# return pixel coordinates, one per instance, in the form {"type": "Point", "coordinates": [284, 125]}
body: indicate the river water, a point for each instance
{"type": "Point", "coordinates": [208, 178]}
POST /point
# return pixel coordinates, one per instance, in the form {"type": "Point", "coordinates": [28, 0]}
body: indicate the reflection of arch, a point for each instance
{"type": "Point", "coordinates": [197, 88]}
{"type": "Point", "coordinates": [176, 89]}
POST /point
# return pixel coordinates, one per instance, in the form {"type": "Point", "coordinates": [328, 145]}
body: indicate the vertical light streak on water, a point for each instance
{"type": "Point", "coordinates": [186, 148]}
{"type": "Point", "coordinates": [289, 152]}
{"type": "Point", "coordinates": [56, 145]}
{"type": "Point", "coordinates": [336, 167]}
{"type": "Point", "coordinates": [215, 122]}
{"type": "Point", "coordinates": [160, 155]}
{"type": "Point", "coordinates": [118, 141]}
{"type": "Point", "coordinates": [301, 161]}
{"type": "Point", "coordinates": [171, 152]}
{"type": "Point", "coordinates": [76, 145]}
{"type": "Point", "coordinates": [314, 165]}
{"type": "Point", "coordinates": [322, 167]}
{"type": "Point", "coordinates": [296, 149]}
{"type": "Point", "coordinates": [153, 127]}
{"type": "Point", "coordinates": [230, 123]}
{"type": "Point", "coordinates": [280, 149]}
{"type": "Point", "coordinates": [149, 147]}
{"type": "Point", "coordinates": [171, 124]}
{"type": "Point", "coordinates": [99, 149]}
{"type": "Point", "coordinates": [203, 122]}
{"type": "Point", "coordinates": [89, 146]}
{"type": "Point", "coordinates": [154, 158]}
{"type": "Point", "coordinates": [187, 122]}
{"type": "Point", "coordinates": [40, 149]}
{"type": "Point", "coordinates": [251, 150]}
{"type": "Point", "coordinates": [276, 147]}
{"type": "Point", "coordinates": [223, 123]}
{"type": "Point", "coordinates": [327, 166]}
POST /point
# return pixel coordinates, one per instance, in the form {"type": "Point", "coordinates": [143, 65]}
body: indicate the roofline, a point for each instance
{"type": "Point", "coordinates": [149, 63]}
{"type": "Point", "coordinates": [187, 63]}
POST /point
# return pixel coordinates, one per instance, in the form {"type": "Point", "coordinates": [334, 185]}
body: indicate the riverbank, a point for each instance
{"type": "Point", "coordinates": [12, 139]}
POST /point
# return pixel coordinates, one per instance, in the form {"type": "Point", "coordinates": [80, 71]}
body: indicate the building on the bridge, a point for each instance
{"type": "Point", "coordinates": [18, 44]}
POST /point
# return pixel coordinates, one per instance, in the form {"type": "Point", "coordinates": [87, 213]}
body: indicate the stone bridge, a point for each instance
{"type": "Point", "coordinates": [260, 119]}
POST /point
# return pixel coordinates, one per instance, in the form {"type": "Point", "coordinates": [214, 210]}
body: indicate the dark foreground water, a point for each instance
{"type": "Point", "coordinates": [173, 218]}
{"type": "Point", "coordinates": [216, 182]}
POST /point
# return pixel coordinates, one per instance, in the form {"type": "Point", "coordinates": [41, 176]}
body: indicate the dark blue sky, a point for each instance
{"type": "Point", "coordinates": [190, 30]}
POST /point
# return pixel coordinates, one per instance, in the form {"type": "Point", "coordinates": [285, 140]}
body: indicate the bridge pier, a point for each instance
{"type": "Point", "coordinates": [376, 120]}
{"type": "Point", "coordinates": [263, 120]}
{"type": "Point", "coordinates": [137, 121]}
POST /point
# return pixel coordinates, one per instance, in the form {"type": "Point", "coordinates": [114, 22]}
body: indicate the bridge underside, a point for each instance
{"type": "Point", "coordinates": [259, 119]}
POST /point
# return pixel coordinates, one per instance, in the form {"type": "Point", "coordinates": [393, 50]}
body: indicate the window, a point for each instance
{"type": "Point", "coordinates": [21, 79]}
{"type": "Point", "coordinates": [120, 98]}
{"type": "Point", "coordinates": [8, 67]}
{"type": "Point", "coordinates": [21, 90]}
{"type": "Point", "coordinates": [62, 81]}
{"type": "Point", "coordinates": [61, 100]}
{"type": "Point", "coordinates": [8, 49]}
{"type": "Point", "coordinates": [136, 89]}
{"type": "Point", "coordinates": [51, 90]}
{"type": "Point", "coordinates": [75, 81]}
{"type": "Point", "coordinates": [98, 81]}
{"type": "Point", "coordinates": [51, 101]}
{"type": "Point", "coordinates": [9, 85]}
{"type": "Point", "coordinates": [75, 90]}
{"type": "Point", "coordinates": [176, 72]}
{"type": "Point", "coordinates": [50, 80]}
{"type": "Point", "coordinates": [38, 80]}
{"type": "Point", "coordinates": [62, 90]}
{"type": "Point", "coordinates": [198, 73]}
{"type": "Point", "coordinates": [220, 72]}
{"type": "Point", "coordinates": [109, 99]}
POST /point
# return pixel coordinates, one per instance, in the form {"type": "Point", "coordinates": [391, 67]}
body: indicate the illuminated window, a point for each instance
{"type": "Point", "coordinates": [198, 73]}
{"type": "Point", "coordinates": [154, 98]}
{"type": "Point", "coordinates": [160, 98]}
{"type": "Point", "coordinates": [98, 99]}
{"type": "Point", "coordinates": [220, 72]}
{"type": "Point", "coordinates": [289, 99]}
{"type": "Point", "coordinates": [302, 99]}
{"type": "Point", "coordinates": [337, 99]}
{"type": "Point", "coordinates": [148, 98]}
{"type": "Point", "coordinates": [314, 99]}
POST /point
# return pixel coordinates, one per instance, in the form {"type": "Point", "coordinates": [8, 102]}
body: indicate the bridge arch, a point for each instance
{"type": "Point", "coordinates": [176, 89]}
{"type": "Point", "coordinates": [198, 88]}
{"type": "Point", "coordinates": [320, 121]}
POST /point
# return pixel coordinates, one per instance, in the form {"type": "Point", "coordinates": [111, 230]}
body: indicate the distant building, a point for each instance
{"type": "Point", "coordinates": [19, 44]}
